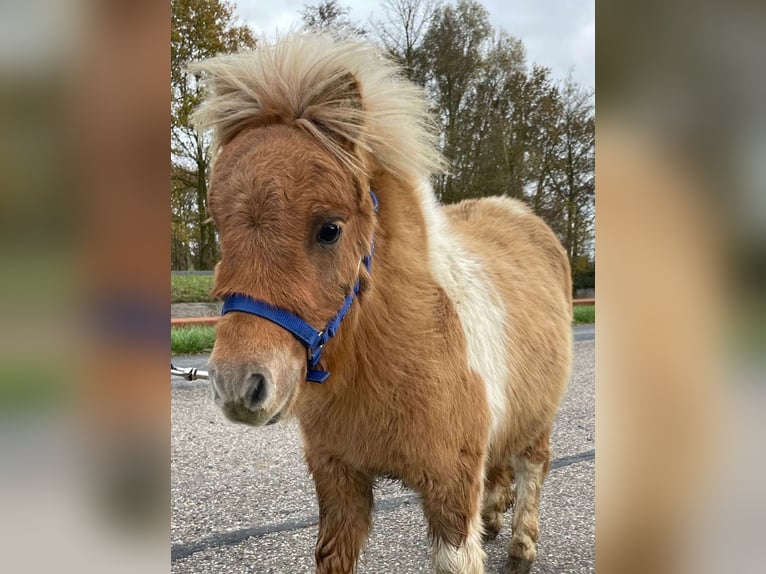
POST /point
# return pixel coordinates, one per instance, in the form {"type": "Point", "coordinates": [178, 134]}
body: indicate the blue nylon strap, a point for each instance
{"type": "Point", "coordinates": [315, 376]}
{"type": "Point", "coordinates": [302, 331]}
{"type": "Point", "coordinates": [311, 338]}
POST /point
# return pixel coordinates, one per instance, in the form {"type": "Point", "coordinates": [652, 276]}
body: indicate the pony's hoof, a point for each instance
{"type": "Point", "coordinates": [516, 565]}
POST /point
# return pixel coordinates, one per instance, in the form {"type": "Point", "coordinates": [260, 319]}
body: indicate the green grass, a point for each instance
{"type": "Point", "coordinates": [585, 314]}
{"type": "Point", "coordinates": [190, 288]}
{"type": "Point", "coordinates": [191, 340]}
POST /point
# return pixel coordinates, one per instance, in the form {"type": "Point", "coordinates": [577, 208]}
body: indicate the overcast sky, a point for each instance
{"type": "Point", "coordinates": [559, 34]}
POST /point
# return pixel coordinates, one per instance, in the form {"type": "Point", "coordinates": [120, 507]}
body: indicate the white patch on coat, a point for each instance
{"type": "Point", "coordinates": [529, 477]}
{"type": "Point", "coordinates": [482, 314]}
{"type": "Point", "coordinates": [529, 480]}
{"type": "Point", "coordinates": [468, 558]}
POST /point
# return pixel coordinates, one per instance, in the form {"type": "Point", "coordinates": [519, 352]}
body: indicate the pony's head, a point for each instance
{"type": "Point", "coordinates": [300, 127]}
{"type": "Point", "coordinates": [294, 225]}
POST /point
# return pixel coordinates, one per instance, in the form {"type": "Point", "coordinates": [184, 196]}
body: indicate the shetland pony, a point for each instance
{"type": "Point", "coordinates": [452, 323]}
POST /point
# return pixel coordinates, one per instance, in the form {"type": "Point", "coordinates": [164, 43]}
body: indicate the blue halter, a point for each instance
{"type": "Point", "coordinates": [313, 340]}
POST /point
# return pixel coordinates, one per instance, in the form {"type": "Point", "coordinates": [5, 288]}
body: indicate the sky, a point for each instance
{"type": "Point", "coordinates": [559, 34]}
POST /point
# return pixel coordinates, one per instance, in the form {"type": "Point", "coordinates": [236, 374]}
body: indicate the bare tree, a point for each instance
{"type": "Point", "coordinates": [402, 29]}
{"type": "Point", "coordinates": [329, 15]}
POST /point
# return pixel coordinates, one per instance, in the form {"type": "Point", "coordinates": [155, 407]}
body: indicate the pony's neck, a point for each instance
{"type": "Point", "coordinates": [394, 311]}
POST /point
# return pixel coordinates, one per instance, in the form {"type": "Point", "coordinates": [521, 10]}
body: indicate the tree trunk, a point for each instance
{"type": "Point", "coordinates": [204, 255]}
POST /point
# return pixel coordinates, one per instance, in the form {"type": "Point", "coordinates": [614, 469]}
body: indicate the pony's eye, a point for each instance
{"type": "Point", "coordinates": [329, 233]}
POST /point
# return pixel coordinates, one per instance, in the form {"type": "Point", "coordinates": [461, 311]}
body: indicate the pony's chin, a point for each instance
{"type": "Point", "coordinates": [239, 414]}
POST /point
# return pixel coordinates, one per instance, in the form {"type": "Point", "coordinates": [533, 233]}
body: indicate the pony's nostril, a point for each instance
{"type": "Point", "coordinates": [255, 395]}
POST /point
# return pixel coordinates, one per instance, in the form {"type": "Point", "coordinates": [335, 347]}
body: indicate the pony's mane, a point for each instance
{"type": "Point", "coordinates": [341, 91]}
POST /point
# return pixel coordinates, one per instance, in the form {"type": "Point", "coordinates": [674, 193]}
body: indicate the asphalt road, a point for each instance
{"type": "Point", "coordinates": [242, 499]}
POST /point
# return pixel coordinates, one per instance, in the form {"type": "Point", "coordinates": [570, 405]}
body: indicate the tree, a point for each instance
{"type": "Point", "coordinates": [573, 184]}
{"type": "Point", "coordinates": [329, 15]}
{"type": "Point", "coordinates": [402, 30]}
{"type": "Point", "coordinates": [452, 55]}
{"type": "Point", "coordinates": [199, 29]}
{"type": "Point", "coordinates": [183, 223]}
{"type": "Point", "coordinates": [489, 153]}
{"type": "Point", "coordinates": [544, 142]}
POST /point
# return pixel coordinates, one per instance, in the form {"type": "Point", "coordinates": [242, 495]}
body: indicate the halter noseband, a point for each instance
{"type": "Point", "coordinates": [313, 340]}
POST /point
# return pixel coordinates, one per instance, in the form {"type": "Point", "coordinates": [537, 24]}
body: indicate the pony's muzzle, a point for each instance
{"type": "Point", "coordinates": [244, 392]}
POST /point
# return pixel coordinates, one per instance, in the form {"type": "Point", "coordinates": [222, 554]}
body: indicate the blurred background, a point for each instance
{"type": "Point", "coordinates": [681, 224]}
{"type": "Point", "coordinates": [680, 232]}
{"type": "Point", "coordinates": [84, 446]}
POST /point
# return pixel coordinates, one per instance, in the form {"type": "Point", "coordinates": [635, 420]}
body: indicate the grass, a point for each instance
{"type": "Point", "coordinates": [191, 340]}
{"type": "Point", "coordinates": [190, 288]}
{"type": "Point", "coordinates": [584, 314]}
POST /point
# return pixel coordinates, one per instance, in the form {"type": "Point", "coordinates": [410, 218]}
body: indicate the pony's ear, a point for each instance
{"type": "Point", "coordinates": [335, 113]}
{"type": "Point", "coordinates": [343, 89]}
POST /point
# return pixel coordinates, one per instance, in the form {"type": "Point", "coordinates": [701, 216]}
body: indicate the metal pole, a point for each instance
{"type": "Point", "coordinates": [188, 374]}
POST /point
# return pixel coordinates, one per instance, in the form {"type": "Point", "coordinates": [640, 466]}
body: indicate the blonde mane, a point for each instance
{"type": "Point", "coordinates": [344, 92]}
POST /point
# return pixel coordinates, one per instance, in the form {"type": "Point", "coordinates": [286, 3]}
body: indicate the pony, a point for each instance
{"type": "Point", "coordinates": [426, 343]}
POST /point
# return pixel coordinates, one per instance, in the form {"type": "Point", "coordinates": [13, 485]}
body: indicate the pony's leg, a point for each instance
{"type": "Point", "coordinates": [498, 498]}
{"type": "Point", "coordinates": [453, 512]}
{"type": "Point", "coordinates": [345, 513]}
{"type": "Point", "coordinates": [531, 466]}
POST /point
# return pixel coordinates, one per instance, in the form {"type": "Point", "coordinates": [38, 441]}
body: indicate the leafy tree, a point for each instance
{"type": "Point", "coordinates": [573, 184]}
{"type": "Point", "coordinates": [544, 141]}
{"type": "Point", "coordinates": [199, 29]}
{"type": "Point", "coordinates": [583, 273]}
{"type": "Point", "coordinates": [490, 152]}
{"type": "Point", "coordinates": [451, 62]}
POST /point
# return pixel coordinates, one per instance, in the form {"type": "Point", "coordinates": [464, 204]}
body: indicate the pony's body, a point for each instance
{"type": "Point", "coordinates": [449, 368]}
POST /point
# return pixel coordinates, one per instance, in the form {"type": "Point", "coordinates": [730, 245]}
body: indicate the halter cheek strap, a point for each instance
{"type": "Point", "coordinates": [311, 338]}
